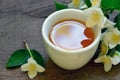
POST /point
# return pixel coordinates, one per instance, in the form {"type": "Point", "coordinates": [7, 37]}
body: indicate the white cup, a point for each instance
{"type": "Point", "coordinates": [68, 59]}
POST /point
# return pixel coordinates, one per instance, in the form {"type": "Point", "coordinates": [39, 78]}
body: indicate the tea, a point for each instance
{"type": "Point", "coordinates": [71, 35]}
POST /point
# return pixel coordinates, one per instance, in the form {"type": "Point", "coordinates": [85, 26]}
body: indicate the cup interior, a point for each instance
{"type": "Point", "coordinates": [67, 14]}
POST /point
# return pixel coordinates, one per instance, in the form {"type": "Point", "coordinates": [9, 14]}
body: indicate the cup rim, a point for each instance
{"type": "Point", "coordinates": [65, 50]}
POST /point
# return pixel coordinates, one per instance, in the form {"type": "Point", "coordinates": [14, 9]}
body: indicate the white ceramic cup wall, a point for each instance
{"type": "Point", "coordinates": [68, 59]}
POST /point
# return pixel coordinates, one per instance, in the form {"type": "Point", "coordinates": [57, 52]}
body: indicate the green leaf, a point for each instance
{"type": "Point", "coordinates": [117, 21]}
{"type": "Point", "coordinates": [38, 58]}
{"type": "Point", "coordinates": [21, 56]}
{"type": "Point", "coordinates": [88, 3]}
{"type": "Point", "coordinates": [110, 4]}
{"type": "Point", "coordinates": [111, 52]}
{"type": "Point", "coordinates": [117, 48]}
{"type": "Point", "coordinates": [59, 6]}
{"type": "Point", "coordinates": [107, 4]}
{"type": "Point", "coordinates": [18, 58]}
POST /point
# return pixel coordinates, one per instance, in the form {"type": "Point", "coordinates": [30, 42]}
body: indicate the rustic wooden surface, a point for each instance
{"type": "Point", "coordinates": [22, 20]}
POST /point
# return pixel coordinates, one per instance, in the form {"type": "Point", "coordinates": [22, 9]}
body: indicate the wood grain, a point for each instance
{"type": "Point", "coordinates": [22, 20]}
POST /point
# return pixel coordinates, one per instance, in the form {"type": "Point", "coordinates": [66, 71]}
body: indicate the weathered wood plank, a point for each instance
{"type": "Point", "coordinates": [41, 12]}
{"type": "Point", "coordinates": [24, 5]}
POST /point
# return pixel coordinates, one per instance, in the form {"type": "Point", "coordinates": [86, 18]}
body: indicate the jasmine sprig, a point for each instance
{"type": "Point", "coordinates": [20, 57]}
{"type": "Point", "coordinates": [32, 67]}
{"type": "Point", "coordinates": [27, 47]}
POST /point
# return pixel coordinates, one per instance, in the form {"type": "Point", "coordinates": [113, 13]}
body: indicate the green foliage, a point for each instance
{"type": "Point", "coordinates": [110, 4]}
{"type": "Point", "coordinates": [18, 58]}
{"type": "Point", "coordinates": [117, 21]}
{"type": "Point", "coordinates": [38, 58]}
{"type": "Point", "coordinates": [107, 4]}
{"type": "Point", "coordinates": [88, 3]}
{"type": "Point", "coordinates": [21, 56]}
{"type": "Point", "coordinates": [59, 5]}
{"type": "Point", "coordinates": [117, 48]}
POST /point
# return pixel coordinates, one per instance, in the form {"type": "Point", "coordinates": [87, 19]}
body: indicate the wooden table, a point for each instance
{"type": "Point", "coordinates": [22, 20]}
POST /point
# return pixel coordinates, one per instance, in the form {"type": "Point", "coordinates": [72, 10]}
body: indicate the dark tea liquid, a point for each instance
{"type": "Point", "coordinates": [71, 35]}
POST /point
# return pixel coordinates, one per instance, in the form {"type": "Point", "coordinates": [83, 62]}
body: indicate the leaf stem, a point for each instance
{"type": "Point", "coordinates": [27, 47]}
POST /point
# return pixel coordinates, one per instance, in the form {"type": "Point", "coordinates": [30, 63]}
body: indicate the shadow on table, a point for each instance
{"type": "Point", "coordinates": [91, 71]}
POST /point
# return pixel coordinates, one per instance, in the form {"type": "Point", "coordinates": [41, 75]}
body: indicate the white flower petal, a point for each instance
{"type": "Point", "coordinates": [117, 32]}
{"type": "Point", "coordinates": [106, 37]}
{"type": "Point", "coordinates": [115, 60]}
{"type": "Point", "coordinates": [40, 68]}
{"type": "Point", "coordinates": [74, 4]}
{"type": "Point", "coordinates": [99, 59]}
{"type": "Point", "coordinates": [32, 74]}
{"type": "Point", "coordinates": [95, 2]}
{"type": "Point", "coordinates": [95, 17]}
{"type": "Point", "coordinates": [90, 23]}
{"type": "Point", "coordinates": [70, 5]}
{"type": "Point", "coordinates": [107, 63]}
{"type": "Point", "coordinates": [109, 24]}
{"type": "Point", "coordinates": [32, 67]}
{"type": "Point", "coordinates": [112, 45]}
{"type": "Point", "coordinates": [31, 60]}
{"type": "Point", "coordinates": [88, 11]}
{"type": "Point", "coordinates": [104, 49]}
{"type": "Point", "coordinates": [24, 67]}
{"type": "Point", "coordinates": [82, 5]}
{"type": "Point", "coordinates": [102, 22]}
{"type": "Point", "coordinates": [114, 38]}
{"type": "Point", "coordinates": [102, 36]}
{"type": "Point", "coordinates": [107, 66]}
